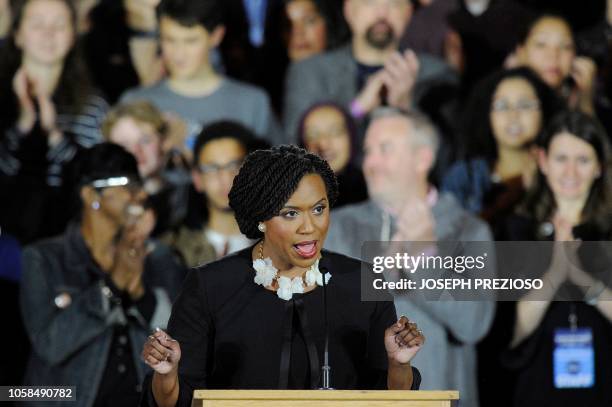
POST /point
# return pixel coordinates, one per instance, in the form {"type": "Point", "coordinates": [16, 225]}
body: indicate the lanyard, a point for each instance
{"type": "Point", "coordinates": [573, 317]}
{"type": "Point", "coordinates": [385, 231]}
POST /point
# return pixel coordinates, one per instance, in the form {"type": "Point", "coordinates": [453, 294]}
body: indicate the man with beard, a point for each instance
{"type": "Point", "coordinates": [217, 156]}
{"type": "Point", "coordinates": [368, 72]}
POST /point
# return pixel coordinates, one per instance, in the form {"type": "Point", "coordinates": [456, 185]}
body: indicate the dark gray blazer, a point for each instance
{"type": "Point", "coordinates": [332, 76]}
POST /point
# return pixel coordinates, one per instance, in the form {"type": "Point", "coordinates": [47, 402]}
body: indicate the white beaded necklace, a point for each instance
{"type": "Point", "coordinates": [266, 274]}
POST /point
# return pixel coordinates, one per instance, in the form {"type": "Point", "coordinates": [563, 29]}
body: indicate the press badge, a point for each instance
{"type": "Point", "coordinates": [574, 358]}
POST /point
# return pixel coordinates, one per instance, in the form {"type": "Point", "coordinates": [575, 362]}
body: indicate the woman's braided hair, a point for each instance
{"type": "Point", "coordinates": [268, 178]}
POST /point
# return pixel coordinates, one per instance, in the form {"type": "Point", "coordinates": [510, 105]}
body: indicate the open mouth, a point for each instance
{"type": "Point", "coordinates": [307, 249]}
{"type": "Point", "coordinates": [514, 130]}
{"type": "Point", "coordinates": [569, 184]}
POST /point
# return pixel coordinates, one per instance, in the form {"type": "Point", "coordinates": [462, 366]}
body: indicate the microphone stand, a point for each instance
{"type": "Point", "coordinates": [325, 369]}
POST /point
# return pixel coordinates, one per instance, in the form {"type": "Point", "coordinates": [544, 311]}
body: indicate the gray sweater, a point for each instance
{"type": "Point", "coordinates": [233, 100]}
{"type": "Point", "coordinates": [452, 329]}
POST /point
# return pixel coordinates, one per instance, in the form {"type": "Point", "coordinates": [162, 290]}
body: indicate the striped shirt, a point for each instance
{"type": "Point", "coordinates": [81, 130]}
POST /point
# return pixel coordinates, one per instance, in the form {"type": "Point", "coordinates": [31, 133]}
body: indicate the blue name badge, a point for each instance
{"type": "Point", "coordinates": [574, 358]}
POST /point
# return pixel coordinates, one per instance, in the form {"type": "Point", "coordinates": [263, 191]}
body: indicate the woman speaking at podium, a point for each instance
{"type": "Point", "coordinates": [256, 319]}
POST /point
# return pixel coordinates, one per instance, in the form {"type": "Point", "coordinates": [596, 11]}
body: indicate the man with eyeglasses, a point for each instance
{"type": "Point", "coordinates": [218, 154]}
{"type": "Point", "coordinates": [369, 72]}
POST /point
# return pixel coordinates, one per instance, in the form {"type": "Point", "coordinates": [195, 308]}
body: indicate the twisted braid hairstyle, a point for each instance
{"type": "Point", "coordinates": [268, 178]}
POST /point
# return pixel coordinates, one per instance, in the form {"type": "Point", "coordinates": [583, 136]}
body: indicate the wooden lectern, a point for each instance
{"type": "Point", "coordinates": [324, 398]}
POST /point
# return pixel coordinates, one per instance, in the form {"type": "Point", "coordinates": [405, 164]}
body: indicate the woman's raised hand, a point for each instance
{"type": "Point", "coordinates": [22, 87]}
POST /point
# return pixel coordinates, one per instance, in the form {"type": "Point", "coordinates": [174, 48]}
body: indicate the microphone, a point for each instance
{"type": "Point", "coordinates": [325, 369]}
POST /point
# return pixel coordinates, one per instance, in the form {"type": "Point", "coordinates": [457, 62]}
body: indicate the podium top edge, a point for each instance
{"type": "Point", "coordinates": [326, 395]}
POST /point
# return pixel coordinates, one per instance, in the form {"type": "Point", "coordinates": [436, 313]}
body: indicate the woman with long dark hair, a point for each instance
{"type": "Point", "coordinates": [48, 113]}
{"type": "Point", "coordinates": [548, 46]}
{"type": "Point", "coordinates": [311, 27]}
{"type": "Point", "coordinates": [502, 121]}
{"type": "Point", "coordinates": [570, 201]}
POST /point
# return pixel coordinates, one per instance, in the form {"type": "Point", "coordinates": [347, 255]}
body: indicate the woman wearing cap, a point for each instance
{"type": "Point", "coordinates": [256, 319]}
{"type": "Point", "coordinates": [90, 297]}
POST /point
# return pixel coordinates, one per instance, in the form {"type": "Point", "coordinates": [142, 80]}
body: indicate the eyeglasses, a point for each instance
{"type": "Point", "coordinates": [147, 139]}
{"type": "Point", "coordinates": [391, 3]}
{"type": "Point", "coordinates": [116, 182]}
{"type": "Point", "coordinates": [330, 134]}
{"type": "Point", "coordinates": [523, 106]}
{"type": "Point", "coordinates": [212, 169]}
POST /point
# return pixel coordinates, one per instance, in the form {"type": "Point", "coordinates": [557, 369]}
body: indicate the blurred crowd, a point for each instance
{"type": "Point", "coordinates": [124, 122]}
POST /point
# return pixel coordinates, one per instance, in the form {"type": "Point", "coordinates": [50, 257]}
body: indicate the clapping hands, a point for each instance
{"type": "Point", "coordinates": [397, 77]}
{"type": "Point", "coordinates": [130, 253]}
{"type": "Point", "coordinates": [35, 103]}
